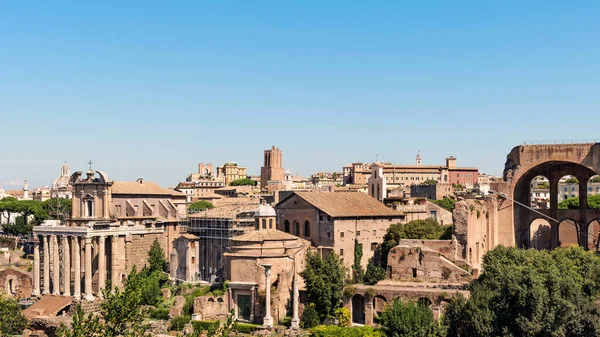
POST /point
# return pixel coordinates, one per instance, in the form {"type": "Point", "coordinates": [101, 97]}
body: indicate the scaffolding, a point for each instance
{"type": "Point", "coordinates": [215, 229]}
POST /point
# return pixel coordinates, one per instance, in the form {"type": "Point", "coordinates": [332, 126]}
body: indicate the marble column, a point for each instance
{"type": "Point", "coordinates": [46, 265]}
{"type": "Point", "coordinates": [296, 299]}
{"type": "Point", "coordinates": [267, 320]}
{"type": "Point", "coordinates": [88, 270]}
{"type": "Point", "coordinates": [101, 265]}
{"type": "Point", "coordinates": [76, 268]}
{"type": "Point", "coordinates": [66, 266]}
{"type": "Point", "coordinates": [55, 267]}
{"type": "Point", "coordinates": [114, 274]}
{"type": "Point", "coordinates": [36, 267]}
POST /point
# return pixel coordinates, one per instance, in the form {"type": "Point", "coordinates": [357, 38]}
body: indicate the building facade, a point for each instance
{"type": "Point", "coordinates": [272, 171]}
{"type": "Point", "coordinates": [331, 221]}
{"type": "Point", "coordinates": [231, 172]}
{"type": "Point", "coordinates": [111, 229]}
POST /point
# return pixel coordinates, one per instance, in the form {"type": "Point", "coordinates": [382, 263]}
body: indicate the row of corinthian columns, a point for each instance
{"type": "Point", "coordinates": [72, 255]}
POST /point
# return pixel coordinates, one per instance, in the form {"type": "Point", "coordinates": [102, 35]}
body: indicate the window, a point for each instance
{"type": "Point", "coordinates": [297, 228]}
{"type": "Point", "coordinates": [329, 235]}
{"type": "Point", "coordinates": [321, 218]}
{"type": "Point", "coordinates": [373, 246]}
{"type": "Point", "coordinates": [341, 234]}
{"type": "Point", "coordinates": [374, 232]}
{"type": "Point", "coordinates": [341, 252]}
{"type": "Point", "coordinates": [264, 223]}
{"type": "Point", "coordinates": [566, 189]}
{"type": "Point", "coordinates": [357, 233]}
{"type": "Point", "coordinates": [270, 223]}
{"type": "Point", "coordinates": [306, 228]}
{"type": "Point", "coordinates": [286, 226]}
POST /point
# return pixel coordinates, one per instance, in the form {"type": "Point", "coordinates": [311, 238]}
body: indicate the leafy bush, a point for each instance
{"type": "Point", "coordinates": [160, 313]}
{"type": "Point", "coordinates": [178, 323]}
{"type": "Point", "coordinates": [310, 317]}
{"type": "Point", "coordinates": [205, 325]}
{"type": "Point", "coordinates": [243, 182]}
{"type": "Point", "coordinates": [201, 205]}
{"type": "Point", "coordinates": [343, 317]}
{"type": "Point", "coordinates": [407, 319]}
{"type": "Point", "coordinates": [447, 203]}
{"type": "Point", "coordinates": [374, 273]}
{"type": "Point", "coordinates": [12, 322]}
{"type": "Point", "coordinates": [247, 328]}
{"type": "Point", "coordinates": [337, 331]}
{"type": "Point", "coordinates": [573, 203]}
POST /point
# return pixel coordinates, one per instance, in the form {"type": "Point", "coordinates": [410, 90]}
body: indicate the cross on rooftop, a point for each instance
{"type": "Point", "coordinates": [90, 163]}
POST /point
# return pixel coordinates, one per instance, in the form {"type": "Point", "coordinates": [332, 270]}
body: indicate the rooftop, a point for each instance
{"type": "Point", "coordinates": [346, 204]}
{"type": "Point", "coordinates": [265, 235]}
{"type": "Point", "coordinates": [143, 187]}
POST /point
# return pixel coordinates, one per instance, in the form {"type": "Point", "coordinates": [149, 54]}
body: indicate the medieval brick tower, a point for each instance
{"type": "Point", "coordinates": [272, 169]}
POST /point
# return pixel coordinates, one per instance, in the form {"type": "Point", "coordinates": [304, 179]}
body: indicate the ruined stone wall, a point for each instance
{"type": "Point", "coordinates": [15, 283]}
{"type": "Point", "coordinates": [137, 248]}
{"type": "Point", "coordinates": [211, 307]}
{"type": "Point", "coordinates": [411, 262]}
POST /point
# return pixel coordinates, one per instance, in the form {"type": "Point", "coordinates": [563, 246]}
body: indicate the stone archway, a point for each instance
{"type": "Point", "coordinates": [540, 234]}
{"type": "Point", "coordinates": [358, 309]}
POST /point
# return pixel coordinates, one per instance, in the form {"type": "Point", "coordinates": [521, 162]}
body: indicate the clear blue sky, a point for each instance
{"type": "Point", "coordinates": [150, 89]}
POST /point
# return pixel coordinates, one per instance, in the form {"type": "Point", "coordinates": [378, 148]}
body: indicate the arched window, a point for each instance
{"type": "Point", "coordinates": [297, 228]}
{"type": "Point", "coordinates": [264, 223]}
{"type": "Point", "coordinates": [286, 226]}
{"type": "Point", "coordinates": [306, 228]}
{"type": "Point", "coordinates": [270, 223]}
{"type": "Point", "coordinates": [257, 224]}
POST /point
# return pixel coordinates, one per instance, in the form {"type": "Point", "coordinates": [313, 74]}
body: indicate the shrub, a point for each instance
{"type": "Point", "coordinates": [310, 317]}
{"type": "Point", "coordinates": [160, 313]}
{"type": "Point", "coordinates": [407, 319]}
{"type": "Point", "coordinates": [247, 328]}
{"type": "Point", "coordinates": [178, 323]}
{"type": "Point", "coordinates": [337, 331]}
{"type": "Point", "coordinates": [205, 326]}
{"type": "Point", "coordinates": [343, 317]}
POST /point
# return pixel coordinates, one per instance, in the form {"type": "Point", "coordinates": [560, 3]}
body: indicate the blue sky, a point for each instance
{"type": "Point", "coordinates": [149, 89]}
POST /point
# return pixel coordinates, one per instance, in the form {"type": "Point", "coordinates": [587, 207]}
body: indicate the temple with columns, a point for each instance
{"type": "Point", "coordinates": [111, 229]}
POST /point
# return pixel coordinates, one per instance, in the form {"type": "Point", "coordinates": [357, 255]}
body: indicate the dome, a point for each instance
{"type": "Point", "coordinates": [265, 211]}
{"type": "Point", "coordinates": [288, 172]}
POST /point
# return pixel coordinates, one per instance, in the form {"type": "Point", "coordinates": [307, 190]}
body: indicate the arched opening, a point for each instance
{"type": "Point", "coordinates": [270, 223]}
{"type": "Point", "coordinates": [11, 289]}
{"type": "Point", "coordinates": [593, 192]}
{"type": "Point", "coordinates": [286, 226]}
{"type": "Point", "coordinates": [297, 228]}
{"type": "Point", "coordinates": [568, 188]}
{"type": "Point", "coordinates": [540, 192]}
{"type": "Point", "coordinates": [264, 223]}
{"type": "Point", "coordinates": [358, 309]}
{"type": "Point", "coordinates": [568, 233]}
{"type": "Point", "coordinates": [306, 228]}
{"type": "Point", "coordinates": [379, 303]}
{"type": "Point", "coordinates": [593, 232]}
{"type": "Point", "coordinates": [540, 234]}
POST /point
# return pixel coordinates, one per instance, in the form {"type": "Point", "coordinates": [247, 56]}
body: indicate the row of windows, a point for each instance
{"type": "Point", "coordinates": [373, 248]}
{"type": "Point", "coordinates": [286, 228]}
{"type": "Point", "coordinates": [264, 224]}
{"type": "Point", "coordinates": [358, 233]}
{"type": "Point", "coordinates": [465, 175]}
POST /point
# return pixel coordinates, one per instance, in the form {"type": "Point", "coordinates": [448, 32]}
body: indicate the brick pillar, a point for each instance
{"type": "Point", "coordinates": [583, 208]}
{"type": "Point", "coordinates": [76, 268]}
{"type": "Point", "coordinates": [56, 267]}
{"type": "Point", "coordinates": [101, 265]}
{"type": "Point", "coordinates": [36, 267]}
{"type": "Point", "coordinates": [88, 270]}
{"type": "Point", "coordinates": [66, 266]}
{"type": "Point", "coordinates": [369, 312]}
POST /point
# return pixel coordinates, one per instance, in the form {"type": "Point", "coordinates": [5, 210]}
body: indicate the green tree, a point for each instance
{"type": "Point", "coordinates": [57, 208]}
{"type": "Point", "coordinates": [595, 179]}
{"type": "Point", "coordinates": [531, 293]}
{"type": "Point", "coordinates": [12, 322]}
{"type": "Point", "coordinates": [199, 206]}
{"type": "Point", "coordinates": [243, 182]}
{"type": "Point", "coordinates": [24, 209]}
{"type": "Point", "coordinates": [156, 257]}
{"type": "Point", "coordinates": [407, 319]}
{"type": "Point", "coordinates": [447, 203]}
{"type": "Point", "coordinates": [572, 180]}
{"type": "Point", "coordinates": [310, 317]}
{"type": "Point", "coordinates": [325, 280]}
{"type": "Point", "coordinates": [357, 268]}
{"type": "Point", "coordinates": [374, 273]}
{"type": "Point", "coordinates": [573, 203]}
{"type": "Point", "coordinates": [544, 185]}
{"type": "Point", "coordinates": [430, 182]}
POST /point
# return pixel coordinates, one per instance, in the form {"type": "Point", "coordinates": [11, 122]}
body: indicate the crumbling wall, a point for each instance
{"type": "Point", "coordinates": [210, 307]}
{"type": "Point", "coordinates": [416, 262]}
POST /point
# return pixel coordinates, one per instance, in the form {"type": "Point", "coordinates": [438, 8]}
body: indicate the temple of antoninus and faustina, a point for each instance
{"type": "Point", "coordinates": [111, 229]}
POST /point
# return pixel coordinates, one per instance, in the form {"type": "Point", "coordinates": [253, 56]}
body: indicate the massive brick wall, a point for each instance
{"type": "Point", "coordinates": [15, 283]}
{"type": "Point", "coordinates": [137, 248]}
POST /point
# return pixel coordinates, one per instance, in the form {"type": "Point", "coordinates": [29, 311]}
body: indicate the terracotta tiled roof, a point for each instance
{"type": "Point", "coordinates": [265, 235]}
{"type": "Point", "coordinates": [145, 187]}
{"type": "Point", "coordinates": [347, 204]}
